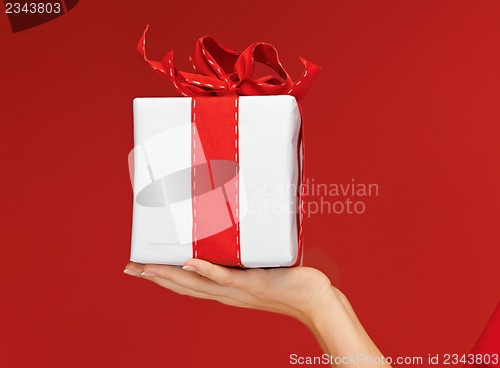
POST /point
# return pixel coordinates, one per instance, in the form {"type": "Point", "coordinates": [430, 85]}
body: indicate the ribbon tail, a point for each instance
{"type": "Point", "coordinates": [302, 85]}
{"type": "Point", "coordinates": [141, 49]}
{"type": "Point", "coordinates": [166, 69]}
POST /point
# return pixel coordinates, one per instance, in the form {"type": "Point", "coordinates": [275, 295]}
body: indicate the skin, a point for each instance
{"type": "Point", "coordinates": [303, 293]}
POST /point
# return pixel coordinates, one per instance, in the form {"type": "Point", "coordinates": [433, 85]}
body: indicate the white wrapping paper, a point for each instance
{"type": "Point", "coordinates": [269, 129]}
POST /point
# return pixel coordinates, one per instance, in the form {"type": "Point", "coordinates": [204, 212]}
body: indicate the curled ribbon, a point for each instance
{"type": "Point", "coordinates": [221, 71]}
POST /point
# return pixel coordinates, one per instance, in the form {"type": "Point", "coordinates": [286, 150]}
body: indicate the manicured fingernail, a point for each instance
{"type": "Point", "coordinates": [148, 274]}
{"type": "Point", "coordinates": [131, 273]}
{"type": "Point", "coordinates": [189, 268]}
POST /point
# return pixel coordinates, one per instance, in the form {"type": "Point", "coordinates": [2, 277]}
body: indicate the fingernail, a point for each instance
{"type": "Point", "coordinates": [189, 268]}
{"type": "Point", "coordinates": [131, 273]}
{"type": "Point", "coordinates": [148, 274]}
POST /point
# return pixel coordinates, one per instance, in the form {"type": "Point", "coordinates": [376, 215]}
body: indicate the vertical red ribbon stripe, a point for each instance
{"type": "Point", "coordinates": [215, 160]}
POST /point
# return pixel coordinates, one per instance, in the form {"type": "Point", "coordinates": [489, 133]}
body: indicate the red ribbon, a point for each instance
{"type": "Point", "coordinates": [215, 126]}
{"type": "Point", "coordinates": [221, 71]}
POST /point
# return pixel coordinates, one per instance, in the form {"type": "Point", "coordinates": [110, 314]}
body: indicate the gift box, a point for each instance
{"type": "Point", "coordinates": [216, 174]}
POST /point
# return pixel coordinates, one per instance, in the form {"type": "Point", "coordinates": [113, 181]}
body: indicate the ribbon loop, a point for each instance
{"type": "Point", "coordinates": [221, 71]}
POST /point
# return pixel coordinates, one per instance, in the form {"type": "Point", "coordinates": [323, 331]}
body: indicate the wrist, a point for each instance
{"type": "Point", "coordinates": [329, 303]}
{"type": "Point", "coordinates": [322, 304]}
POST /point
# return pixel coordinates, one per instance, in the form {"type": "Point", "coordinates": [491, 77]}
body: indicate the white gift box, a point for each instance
{"type": "Point", "coordinates": [269, 177]}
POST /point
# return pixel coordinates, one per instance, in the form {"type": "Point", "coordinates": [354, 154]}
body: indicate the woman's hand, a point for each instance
{"type": "Point", "coordinates": [301, 292]}
{"type": "Point", "coordinates": [293, 291]}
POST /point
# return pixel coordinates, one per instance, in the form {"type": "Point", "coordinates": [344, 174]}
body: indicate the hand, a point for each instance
{"type": "Point", "coordinates": [300, 292]}
{"type": "Point", "coordinates": [291, 291]}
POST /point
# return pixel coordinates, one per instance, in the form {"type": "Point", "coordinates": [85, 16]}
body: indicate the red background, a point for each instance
{"type": "Point", "coordinates": [408, 98]}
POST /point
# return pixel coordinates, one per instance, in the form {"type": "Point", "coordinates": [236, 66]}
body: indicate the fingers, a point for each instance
{"type": "Point", "coordinates": [221, 275]}
{"type": "Point", "coordinates": [191, 284]}
{"type": "Point", "coordinates": [178, 280]}
{"type": "Point", "coordinates": [181, 290]}
{"type": "Point", "coordinates": [240, 288]}
{"type": "Point", "coordinates": [190, 280]}
{"type": "Point", "coordinates": [176, 288]}
{"type": "Point", "coordinates": [133, 269]}
{"type": "Point", "coordinates": [172, 274]}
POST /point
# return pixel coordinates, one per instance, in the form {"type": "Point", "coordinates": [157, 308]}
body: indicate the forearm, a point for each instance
{"type": "Point", "coordinates": [339, 332]}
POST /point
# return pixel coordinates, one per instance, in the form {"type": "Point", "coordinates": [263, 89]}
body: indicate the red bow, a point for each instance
{"type": "Point", "coordinates": [221, 71]}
